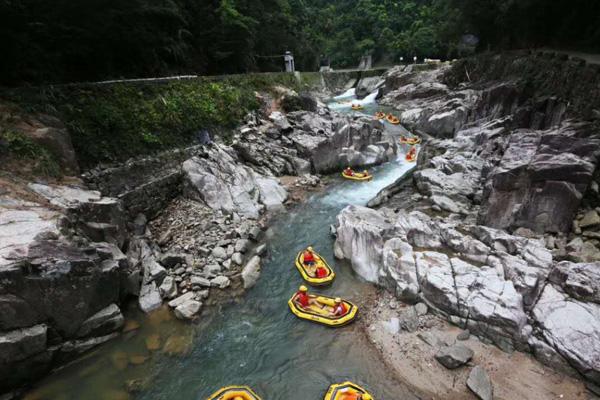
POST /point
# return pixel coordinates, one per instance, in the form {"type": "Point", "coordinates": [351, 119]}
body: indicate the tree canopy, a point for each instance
{"type": "Point", "coordinates": [63, 41]}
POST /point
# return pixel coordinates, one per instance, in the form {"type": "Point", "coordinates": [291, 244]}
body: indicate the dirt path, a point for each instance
{"type": "Point", "coordinates": [514, 376]}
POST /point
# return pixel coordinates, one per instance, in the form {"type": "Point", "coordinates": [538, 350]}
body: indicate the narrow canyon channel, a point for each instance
{"type": "Point", "coordinates": [255, 341]}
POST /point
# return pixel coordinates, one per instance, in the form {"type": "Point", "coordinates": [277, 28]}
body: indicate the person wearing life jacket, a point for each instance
{"type": "Point", "coordinates": [365, 173]}
{"type": "Point", "coordinates": [412, 151]}
{"type": "Point", "coordinates": [348, 171]}
{"type": "Point", "coordinates": [339, 309]}
{"type": "Point", "coordinates": [352, 395]}
{"type": "Point", "coordinates": [308, 256]}
{"type": "Point", "coordinates": [303, 299]}
{"type": "Point", "coordinates": [321, 272]}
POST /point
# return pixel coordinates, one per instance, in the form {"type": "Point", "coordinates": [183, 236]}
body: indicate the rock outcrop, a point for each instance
{"type": "Point", "coordinates": [224, 184]}
{"type": "Point", "coordinates": [59, 288]}
{"type": "Point", "coordinates": [498, 231]}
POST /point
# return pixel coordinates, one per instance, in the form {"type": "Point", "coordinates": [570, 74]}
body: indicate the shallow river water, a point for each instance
{"type": "Point", "coordinates": [255, 342]}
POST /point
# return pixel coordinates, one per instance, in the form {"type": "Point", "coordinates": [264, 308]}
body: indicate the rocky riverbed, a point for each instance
{"type": "Point", "coordinates": [496, 230]}
{"type": "Point", "coordinates": [177, 228]}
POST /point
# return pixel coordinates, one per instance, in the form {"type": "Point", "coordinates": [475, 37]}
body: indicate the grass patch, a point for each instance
{"type": "Point", "coordinates": [17, 148]}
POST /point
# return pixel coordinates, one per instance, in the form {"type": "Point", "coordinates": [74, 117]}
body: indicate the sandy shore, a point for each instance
{"type": "Point", "coordinates": [514, 376]}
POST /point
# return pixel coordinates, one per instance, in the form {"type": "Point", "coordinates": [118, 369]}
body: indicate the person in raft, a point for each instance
{"type": "Point", "coordinates": [320, 272]}
{"type": "Point", "coordinates": [303, 299]}
{"type": "Point", "coordinates": [365, 173]}
{"type": "Point", "coordinates": [412, 151]}
{"type": "Point", "coordinates": [348, 171]}
{"type": "Point", "coordinates": [349, 394]}
{"type": "Point", "coordinates": [339, 309]}
{"type": "Point", "coordinates": [308, 258]}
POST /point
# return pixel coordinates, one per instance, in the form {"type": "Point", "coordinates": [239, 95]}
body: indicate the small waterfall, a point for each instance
{"type": "Point", "coordinates": [347, 94]}
{"type": "Point", "coordinates": [370, 98]}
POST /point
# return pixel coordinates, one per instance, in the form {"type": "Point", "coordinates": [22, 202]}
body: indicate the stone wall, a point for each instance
{"type": "Point", "coordinates": [145, 185]}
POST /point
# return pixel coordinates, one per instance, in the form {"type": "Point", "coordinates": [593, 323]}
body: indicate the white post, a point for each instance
{"type": "Point", "coordinates": [289, 62]}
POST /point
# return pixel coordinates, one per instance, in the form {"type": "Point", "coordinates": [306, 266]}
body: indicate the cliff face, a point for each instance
{"type": "Point", "coordinates": [499, 220]}
{"type": "Point", "coordinates": [540, 159]}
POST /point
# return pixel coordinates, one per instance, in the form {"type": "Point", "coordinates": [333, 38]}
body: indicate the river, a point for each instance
{"type": "Point", "coordinates": [255, 341]}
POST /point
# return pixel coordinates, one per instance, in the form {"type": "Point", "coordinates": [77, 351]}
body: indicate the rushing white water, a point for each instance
{"type": "Point", "coordinates": [347, 94]}
{"type": "Point", "coordinates": [344, 102]}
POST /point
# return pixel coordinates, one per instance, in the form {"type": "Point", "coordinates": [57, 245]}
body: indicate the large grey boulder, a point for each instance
{"type": "Point", "coordinates": [188, 310]}
{"type": "Point", "coordinates": [251, 272]}
{"type": "Point", "coordinates": [272, 194]}
{"type": "Point", "coordinates": [181, 299]}
{"type": "Point", "coordinates": [400, 269]}
{"type": "Point", "coordinates": [454, 356]}
{"type": "Point", "coordinates": [572, 327]}
{"type": "Point", "coordinates": [168, 288]}
{"type": "Point", "coordinates": [223, 183]}
{"type": "Point", "coordinates": [480, 383]}
{"type": "Point", "coordinates": [488, 304]}
{"type": "Point", "coordinates": [150, 298]}
{"type": "Point", "coordinates": [360, 239]}
{"type": "Point", "coordinates": [334, 145]}
{"type": "Point", "coordinates": [102, 323]}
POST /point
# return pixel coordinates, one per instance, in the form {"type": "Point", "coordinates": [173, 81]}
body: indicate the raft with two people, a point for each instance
{"type": "Point", "coordinates": [410, 140]}
{"type": "Point", "coordinates": [357, 107]}
{"type": "Point", "coordinates": [348, 173]}
{"type": "Point", "coordinates": [314, 268]}
{"type": "Point", "coordinates": [234, 393]}
{"type": "Point", "coordinates": [347, 391]}
{"type": "Point", "coordinates": [328, 311]}
{"type": "Point", "coordinates": [392, 119]}
{"type": "Point", "coordinates": [379, 115]}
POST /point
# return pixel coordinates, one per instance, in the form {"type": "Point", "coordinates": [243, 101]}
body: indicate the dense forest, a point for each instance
{"type": "Point", "coordinates": [49, 41]}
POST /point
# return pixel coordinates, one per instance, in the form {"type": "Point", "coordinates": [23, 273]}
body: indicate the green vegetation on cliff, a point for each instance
{"type": "Point", "coordinates": [113, 122]}
{"type": "Point", "coordinates": [20, 148]}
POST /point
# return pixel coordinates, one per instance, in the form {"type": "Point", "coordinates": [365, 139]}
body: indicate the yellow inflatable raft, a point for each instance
{"type": "Point", "coordinates": [341, 391]}
{"type": "Point", "coordinates": [320, 315]}
{"type": "Point", "coordinates": [358, 176]}
{"type": "Point", "coordinates": [234, 392]}
{"type": "Point", "coordinates": [392, 119]}
{"type": "Point", "coordinates": [357, 107]}
{"type": "Point", "coordinates": [319, 262]}
{"type": "Point", "coordinates": [379, 115]}
{"type": "Point", "coordinates": [412, 140]}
